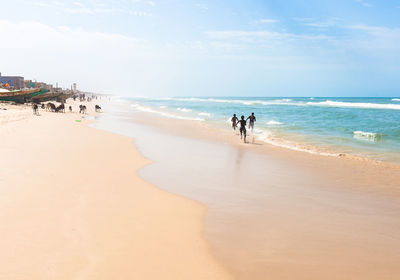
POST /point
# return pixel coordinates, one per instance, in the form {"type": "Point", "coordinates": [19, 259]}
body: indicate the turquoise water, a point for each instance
{"type": "Point", "coordinates": [368, 127]}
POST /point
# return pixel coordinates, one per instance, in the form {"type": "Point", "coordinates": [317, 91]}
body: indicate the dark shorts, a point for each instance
{"type": "Point", "coordinates": [251, 124]}
{"type": "Point", "coordinates": [243, 130]}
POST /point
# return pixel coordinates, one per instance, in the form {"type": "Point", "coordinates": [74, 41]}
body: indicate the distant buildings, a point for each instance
{"type": "Point", "coordinates": [12, 81]}
{"type": "Point", "coordinates": [18, 82]}
{"type": "Point", "coordinates": [42, 85]}
{"type": "Point", "coordinates": [28, 84]}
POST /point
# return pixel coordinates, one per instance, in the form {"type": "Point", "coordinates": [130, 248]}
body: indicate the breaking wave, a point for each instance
{"type": "Point", "coordinates": [341, 104]}
{"type": "Point", "coordinates": [164, 114]}
{"type": "Point", "coordinates": [272, 122]}
{"type": "Point", "coordinates": [205, 114]}
{"type": "Point", "coordinates": [370, 136]}
{"type": "Point", "coordinates": [287, 102]}
{"type": "Point", "coordinates": [184, 110]}
{"type": "Point", "coordinates": [268, 137]}
{"type": "Point", "coordinates": [227, 101]}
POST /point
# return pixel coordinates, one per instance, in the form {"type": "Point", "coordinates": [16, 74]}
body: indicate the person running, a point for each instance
{"type": "Point", "coordinates": [242, 129]}
{"type": "Point", "coordinates": [234, 121]}
{"type": "Point", "coordinates": [252, 119]}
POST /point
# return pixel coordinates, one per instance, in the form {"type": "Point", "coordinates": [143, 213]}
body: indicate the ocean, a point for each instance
{"type": "Point", "coordinates": [362, 127]}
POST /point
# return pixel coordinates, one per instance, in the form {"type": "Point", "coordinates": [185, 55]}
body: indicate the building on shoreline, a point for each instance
{"type": "Point", "coordinates": [16, 82]}
{"type": "Point", "coordinates": [19, 83]}
{"type": "Point", "coordinates": [28, 84]}
{"type": "Point", "coordinates": [43, 85]}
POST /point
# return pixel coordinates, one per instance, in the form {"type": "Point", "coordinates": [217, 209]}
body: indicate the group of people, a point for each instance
{"type": "Point", "coordinates": [243, 122]}
{"type": "Point", "coordinates": [83, 97]}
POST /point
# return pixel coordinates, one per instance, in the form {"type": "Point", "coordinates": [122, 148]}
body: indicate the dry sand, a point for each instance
{"type": "Point", "coordinates": [73, 207]}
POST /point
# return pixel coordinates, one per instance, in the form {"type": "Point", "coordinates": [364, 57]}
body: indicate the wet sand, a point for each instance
{"type": "Point", "coordinates": [274, 213]}
{"type": "Point", "coordinates": [72, 206]}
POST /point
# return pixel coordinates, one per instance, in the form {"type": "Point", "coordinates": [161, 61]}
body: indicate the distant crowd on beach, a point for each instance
{"type": "Point", "coordinates": [243, 122]}
{"type": "Point", "coordinates": [51, 107]}
{"type": "Point", "coordinates": [83, 97]}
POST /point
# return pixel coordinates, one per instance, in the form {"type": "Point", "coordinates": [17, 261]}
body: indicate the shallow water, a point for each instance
{"type": "Point", "coordinates": [268, 218]}
{"type": "Point", "coordinates": [368, 127]}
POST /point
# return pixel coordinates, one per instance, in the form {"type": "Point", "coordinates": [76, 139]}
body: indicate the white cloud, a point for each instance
{"type": "Point", "coordinates": [202, 6]}
{"type": "Point", "coordinates": [41, 4]}
{"type": "Point", "coordinates": [96, 60]}
{"type": "Point", "coordinates": [302, 19]}
{"type": "Point", "coordinates": [377, 37]}
{"type": "Point", "coordinates": [79, 4]}
{"type": "Point", "coordinates": [149, 2]}
{"type": "Point", "coordinates": [324, 23]}
{"type": "Point", "coordinates": [34, 35]}
{"type": "Point", "coordinates": [265, 43]}
{"type": "Point", "coordinates": [266, 20]}
{"type": "Point", "coordinates": [263, 34]}
{"type": "Point", "coordinates": [379, 31]}
{"type": "Point", "coordinates": [364, 3]}
{"type": "Point", "coordinates": [95, 7]}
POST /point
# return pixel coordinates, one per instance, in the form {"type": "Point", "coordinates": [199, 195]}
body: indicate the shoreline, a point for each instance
{"type": "Point", "coordinates": [273, 211]}
{"type": "Point", "coordinates": [278, 215]}
{"type": "Point", "coordinates": [353, 166]}
{"type": "Point", "coordinates": [73, 205]}
{"type": "Point", "coordinates": [282, 141]}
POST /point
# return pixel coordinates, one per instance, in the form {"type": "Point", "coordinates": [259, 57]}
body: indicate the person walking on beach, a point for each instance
{"type": "Point", "coordinates": [242, 129]}
{"type": "Point", "coordinates": [35, 109]}
{"type": "Point", "coordinates": [234, 121]}
{"type": "Point", "coordinates": [252, 119]}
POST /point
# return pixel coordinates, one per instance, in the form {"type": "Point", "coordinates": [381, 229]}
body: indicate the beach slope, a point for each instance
{"type": "Point", "coordinates": [72, 206]}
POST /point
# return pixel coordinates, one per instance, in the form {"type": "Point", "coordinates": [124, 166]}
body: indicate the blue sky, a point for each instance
{"type": "Point", "coordinates": [206, 48]}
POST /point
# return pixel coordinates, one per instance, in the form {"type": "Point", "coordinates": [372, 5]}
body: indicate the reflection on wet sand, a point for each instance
{"type": "Point", "coordinates": [275, 218]}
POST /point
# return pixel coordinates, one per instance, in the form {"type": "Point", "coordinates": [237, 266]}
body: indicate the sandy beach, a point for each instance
{"type": "Point", "coordinates": [133, 196]}
{"type": "Point", "coordinates": [274, 211]}
{"type": "Point", "coordinates": [246, 140]}
{"type": "Point", "coordinates": [73, 207]}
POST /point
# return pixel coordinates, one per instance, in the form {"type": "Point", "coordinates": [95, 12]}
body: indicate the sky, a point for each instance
{"type": "Point", "coordinates": [206, 47]}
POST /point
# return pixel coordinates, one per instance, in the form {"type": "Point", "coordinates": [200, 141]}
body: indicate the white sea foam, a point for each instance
{"type": "Point", "coordinates": [396, 99]}
{"type": "Point", "coordinates": [164, 114]}
{"type": "Point", "coordinates": [184, 110]}
{"type": "Point", "coordinates": [163, 107]}
{"type": "Point", "coordinates": [341, 104]}
{"type": "Point", "coordinates": [289, 102]}
{"type": "Point", "coordinates": [268, 137]}
{"type": "Point", "coordinates": [205, 114]}
{"type": "Point", "coordinates": [272, 122]}
{"type": "Point", "coordinates": [370, 136]}
{"type": "Point", "coordinates": [261, 134]}
{"type": "Point", "coordinates": [228, 101]}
